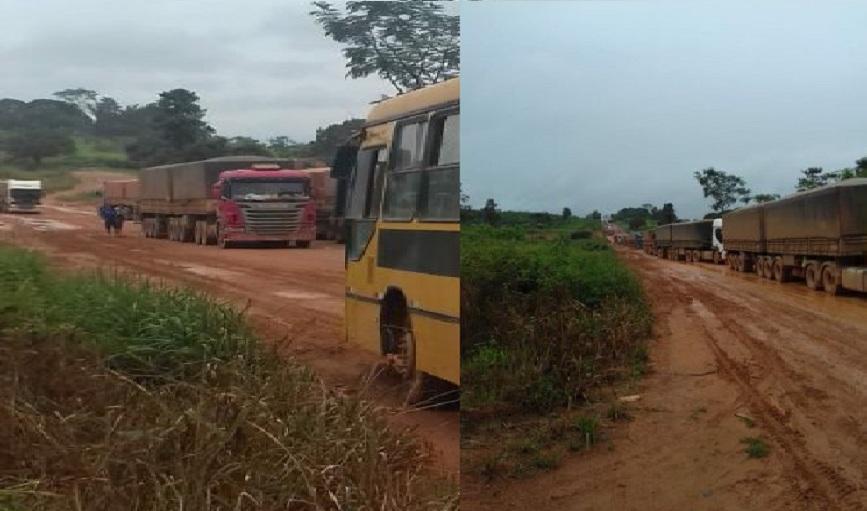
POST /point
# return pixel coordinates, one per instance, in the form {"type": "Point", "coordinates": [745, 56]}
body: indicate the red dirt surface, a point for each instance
{"type": "Point", "coordinates": [790, 360]}
{"type": "Point", "coordinates": [294, 296]}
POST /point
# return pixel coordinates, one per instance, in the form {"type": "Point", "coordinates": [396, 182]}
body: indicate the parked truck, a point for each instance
{"type": "Point", "coordinates": [649, 244]}
{"type": "Point", "coordinates": [20, 195]}
{"type": "Point", "coordinates": [226, 201]}
{"type": "Point", "coordinates": [819, 235]}
{"type": "Point", "coordinates": [691, 241]}
{"type": "Point", "coordinates": [324, 191]}
{"type": "Point", "coordinates": [123, 194]}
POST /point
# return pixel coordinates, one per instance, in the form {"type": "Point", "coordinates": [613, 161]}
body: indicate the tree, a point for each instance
{"type": "Point", "coordinates": [39, 144]}
{"type": "Point", "coordinates": [490, 213]}
{"type": "Point", "coordinates": [595, 215]}
{"type": "Point", "coordinates": [107, 117]}
{"type": "Point", "coordinates": [179, 119]}
{"type": "Point", "coordinates": [814, 177]}
{"type": "Point", "coordinates": [409, 43]}
{"type": "Point", "coordinates": [567, 213]}
{"type": "Point", "coordinates": [765, 197]}
{"type": "Point", "coordinates": [329, 138]}
{"type": "Point", "coordinates": [636, 223]}
{"type": "Point", "coordinates": [83, 99]}
{"type": "Point", "coordinates": [725, 189]}
{"type": "Point", "coordinates": [246, 146]}
{"type": "Point", "coordinates": [665, 215]}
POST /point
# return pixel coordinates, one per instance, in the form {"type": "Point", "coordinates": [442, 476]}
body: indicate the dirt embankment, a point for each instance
{"type": "Point", "coordinates": [734, 357]}
{"type": "Point", "coordinates": [295, 296]}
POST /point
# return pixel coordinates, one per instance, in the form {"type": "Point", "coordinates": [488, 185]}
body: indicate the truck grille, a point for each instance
{"type": "Point", "coordinates": [272, 218]}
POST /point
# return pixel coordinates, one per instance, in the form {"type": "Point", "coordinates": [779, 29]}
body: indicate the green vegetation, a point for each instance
{"type": "Point", "coordinates": [755, 447]}
{"type": "Point", "coordinates": [161, 398]}
{"type": "Point", "coordinates": [549, 317]}
{"type": "Point", "coordinates": [410, 44]}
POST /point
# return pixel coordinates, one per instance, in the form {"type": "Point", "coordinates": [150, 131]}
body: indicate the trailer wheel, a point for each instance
{"type": "Point", "coordinates": [396, 337]}
{"type": "Point", "coordinates": [813, 276]}
{"type": "Point", "coordinates": [829, 279]}
{"type": "Point", "coordinates": [687, 257]}
{"type": "Point", "coordinates": [302, 243]}
{"type": "Point", "coordinates": [716, 258]}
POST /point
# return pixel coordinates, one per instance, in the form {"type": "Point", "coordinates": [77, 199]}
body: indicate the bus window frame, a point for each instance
{"type": "Point", "coordinates": [418, 169]}
{"type": "Point", "coordinates": [367, 214]}
{"type": "Point", "coordinates": [427, 168]}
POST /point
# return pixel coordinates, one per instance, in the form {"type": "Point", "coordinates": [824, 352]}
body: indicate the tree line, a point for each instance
{"type": "Point", "coordinates": [170, 129]}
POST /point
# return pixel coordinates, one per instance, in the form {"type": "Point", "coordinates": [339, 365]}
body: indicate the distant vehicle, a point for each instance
{"type": "Point", "coordinates": [324, 192]}
{"type": "Point", "coordinates": [403, 233]}
{"type": "Point", "coordinates": [691, 241]}
{"type": "Point", "coordinates": [638, 240]}
{"type": "Point", "coordinates": [20, 195]}
{"type": "Point", "coordinates": [819, 235]}
{"type": "Point", "coordinates": [649, 241]}
{"type": "Point", "coordinates": [226, 201]}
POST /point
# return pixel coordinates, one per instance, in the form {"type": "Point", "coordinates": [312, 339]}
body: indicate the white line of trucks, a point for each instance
{"type": "Point", "coordinates": [819, 236]}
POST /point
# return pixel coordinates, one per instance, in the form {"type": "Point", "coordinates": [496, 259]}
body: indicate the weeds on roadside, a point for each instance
{"type": "Point", "coordinates": [109, 411]}
{"type": "Point", "coordinates": [755, 447]}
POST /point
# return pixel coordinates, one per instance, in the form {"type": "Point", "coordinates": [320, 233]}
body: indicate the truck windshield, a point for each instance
{"type": "Point", "coordinates": [266, 190]}
{"type": "Point", "coordinates": [26, 195]}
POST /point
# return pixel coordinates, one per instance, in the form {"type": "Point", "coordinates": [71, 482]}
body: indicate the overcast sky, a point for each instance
{"type": "Point", "coordinates": [601, 105]}
{"type": "Point", "coordinates": [261, 67]}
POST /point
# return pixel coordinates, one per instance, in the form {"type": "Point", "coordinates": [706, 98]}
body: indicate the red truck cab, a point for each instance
{"type": "Point", "coordinates": [264, 203]}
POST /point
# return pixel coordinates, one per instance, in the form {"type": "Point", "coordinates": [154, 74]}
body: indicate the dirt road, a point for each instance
{"type": "Point", "coordinates": [791, 361]}
{"type": "Point", "coordinates": [295, 296]}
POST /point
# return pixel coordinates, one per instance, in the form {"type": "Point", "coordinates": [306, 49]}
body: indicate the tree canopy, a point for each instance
{"type": "Point", "coordinates": [409, 43]}
{"type": "Point", "coordinates": [36, 144]}
{"type": "Point", "coordinates": [724, 189]}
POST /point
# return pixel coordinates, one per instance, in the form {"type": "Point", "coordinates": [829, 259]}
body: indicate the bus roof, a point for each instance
{"type": "Point", "coordinates": [417, 101]}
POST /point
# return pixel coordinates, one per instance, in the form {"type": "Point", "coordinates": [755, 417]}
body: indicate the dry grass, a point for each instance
{"type": "Point", "coordinates": [240, 431]}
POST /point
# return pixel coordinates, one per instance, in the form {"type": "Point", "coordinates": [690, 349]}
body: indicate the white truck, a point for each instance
{"type": "Point", "coordinates": [20, 195]}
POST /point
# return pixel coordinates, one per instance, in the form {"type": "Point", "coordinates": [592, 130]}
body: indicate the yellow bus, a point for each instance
{"type": "Point", "coordinates": [402, 223]}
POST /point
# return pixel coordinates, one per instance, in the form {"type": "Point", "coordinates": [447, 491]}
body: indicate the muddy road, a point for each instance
{"type": "Point", "coordinates": [294, 296]}
{"type": "Point", "coordinates": [734, 357]}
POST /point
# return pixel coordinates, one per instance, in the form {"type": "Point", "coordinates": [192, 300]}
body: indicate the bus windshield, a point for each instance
{"type": "Point", "coordinates": [266, 190]}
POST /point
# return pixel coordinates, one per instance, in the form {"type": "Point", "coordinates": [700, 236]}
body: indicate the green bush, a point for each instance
{"type": "Point", "coordinates": [544, 317]}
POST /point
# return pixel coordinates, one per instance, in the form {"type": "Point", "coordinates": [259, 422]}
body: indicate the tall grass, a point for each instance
{"type": "Point", "coordinates": [545, 318]}
{"type": "Point", "coordinates": [122, 395]}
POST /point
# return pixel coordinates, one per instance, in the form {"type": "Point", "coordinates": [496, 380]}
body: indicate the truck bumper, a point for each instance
{"type": "Point", "coordinates": [305, 233]}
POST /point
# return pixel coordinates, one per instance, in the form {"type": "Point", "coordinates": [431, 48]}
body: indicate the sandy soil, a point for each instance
{"type": "Point", "coordinates": [295, 296]}
{"type": "Point", "coordinates": [791, 360]}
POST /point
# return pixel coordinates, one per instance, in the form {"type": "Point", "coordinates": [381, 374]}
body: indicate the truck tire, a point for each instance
{"type": "Point", "coordinates": [813, 276]}
{"type": "Point", "coordinates": [830, 281]}
{"type": "Point", "coordinates": [717, 259]}
{"type": "Point", "coordinates": [687, 257]}
{"type": "Point", "coordinates": [302, 243]}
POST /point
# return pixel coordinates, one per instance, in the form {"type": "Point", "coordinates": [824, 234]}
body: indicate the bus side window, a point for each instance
{"type": "Point", "coordinates": [442, 184]}
{"type": "Point", "coordinates": [403, 187]}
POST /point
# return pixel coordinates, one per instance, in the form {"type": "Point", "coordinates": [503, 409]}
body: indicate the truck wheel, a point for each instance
{"type": "Point", "coordinates": [716, 257]}
{"type": "Point", "coordinates": [830, 281]}
{"type": "Point", "coordinates": [813, 276]}
{"type": "Point", "coordinates": [302, 243]}
{"type": "Point", "coordinates": [687, 257]}
{"type": "Point", "coordinates": [777, 269]}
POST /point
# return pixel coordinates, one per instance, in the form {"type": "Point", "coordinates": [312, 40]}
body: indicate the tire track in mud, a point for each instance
{"type": "Point", "coordinates": [827, 486]}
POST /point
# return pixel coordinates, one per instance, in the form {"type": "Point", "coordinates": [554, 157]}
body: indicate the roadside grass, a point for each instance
{"type": "Point", "coordinates": [122, 394]}
{"type": "Point", "coordinates": [549, 317]}
{"type": "Point", "coordinates": [755, 447]}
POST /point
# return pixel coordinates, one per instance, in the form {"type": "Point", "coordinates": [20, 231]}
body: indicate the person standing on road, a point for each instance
{"type": "Point", "coordinates": [118, 220]}
{"type": "Point", "coordinates": [109, 216]}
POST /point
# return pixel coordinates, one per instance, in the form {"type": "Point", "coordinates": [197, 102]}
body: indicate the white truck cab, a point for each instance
{"type": "Point", "coordinates": [20, 195]}
{"type": "Point", "coordinates": [717, 241]}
